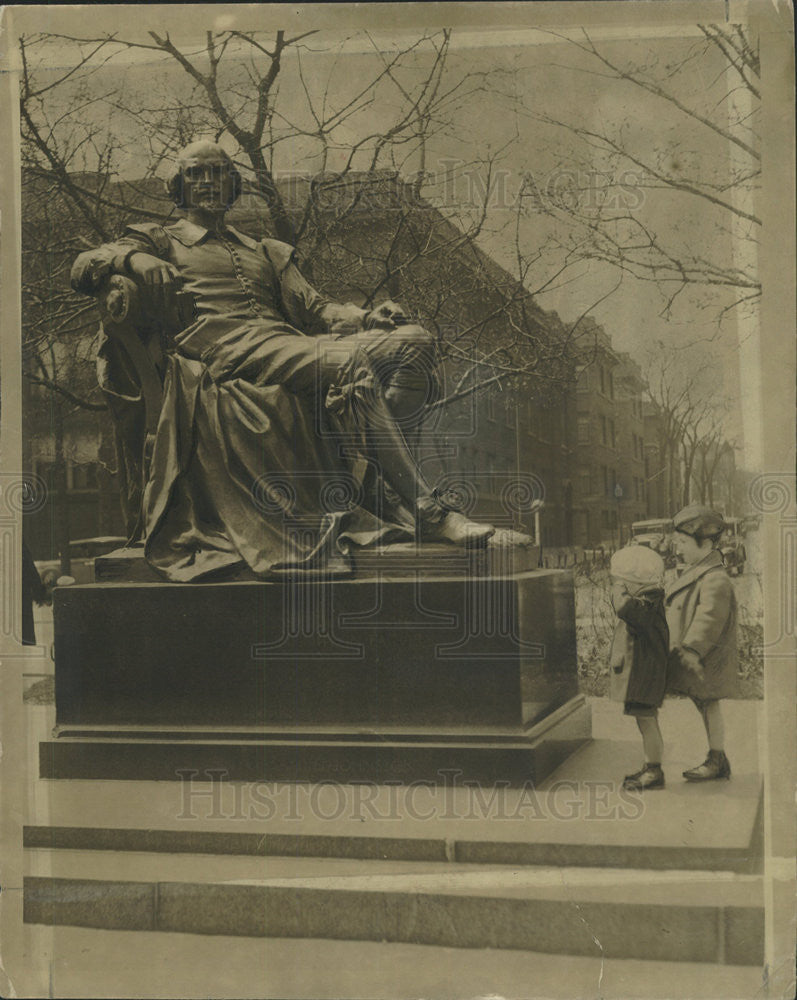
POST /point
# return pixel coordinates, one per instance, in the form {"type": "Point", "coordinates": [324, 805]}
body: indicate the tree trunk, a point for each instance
{"type": "Point", "coordinates": [672, 481]}
{"type": "Point", "coordinates": [283, 227]}
{"type": "Point", "coordinates": [689, 461]}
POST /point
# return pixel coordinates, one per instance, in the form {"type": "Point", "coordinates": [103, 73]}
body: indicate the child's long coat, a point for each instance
{"type": "Point", "coordinates": [701, 614]}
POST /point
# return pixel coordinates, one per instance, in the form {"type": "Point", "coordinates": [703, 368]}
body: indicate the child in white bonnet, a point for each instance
{"type": "Point", "coordinates": [639, 652]}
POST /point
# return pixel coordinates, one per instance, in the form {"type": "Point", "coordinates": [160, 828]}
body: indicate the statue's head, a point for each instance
{"type": "Point", "coordinates": [204, 177]}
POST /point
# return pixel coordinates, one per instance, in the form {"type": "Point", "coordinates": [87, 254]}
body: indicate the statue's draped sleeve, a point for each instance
{"type": "Point", "coordinates": [93, 266]}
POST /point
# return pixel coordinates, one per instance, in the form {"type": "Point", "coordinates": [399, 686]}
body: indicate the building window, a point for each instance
{"type": "Point", "coordinates": [602, 377]}
{"type": "Point", "coordinates": [583, 430]}
{"type": "Point", "coordinates": [490, 406]}
{"type": "Point", "coordinates": [603, 429]}
{"type": "Point", "coordinates": [612, 435]}
{"type": "Point", "coordinates": [605, 471]}
{"type": "Point", "coordinates": [586, 483]}
{"type": "Point", "coordinates": [611, 385]}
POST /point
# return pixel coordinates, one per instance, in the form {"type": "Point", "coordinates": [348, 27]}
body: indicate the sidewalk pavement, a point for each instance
{"type": "Point", "coordinates": [85, 962]}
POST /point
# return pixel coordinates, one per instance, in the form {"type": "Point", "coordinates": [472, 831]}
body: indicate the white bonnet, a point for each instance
{"type": "Point", "coordinates": [638, 564]}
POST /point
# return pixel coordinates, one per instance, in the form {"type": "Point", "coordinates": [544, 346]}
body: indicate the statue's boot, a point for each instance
{"type": "Point", "coordinates": [460, 530]}
{"type": "Point", "coordinates": [438, 523]}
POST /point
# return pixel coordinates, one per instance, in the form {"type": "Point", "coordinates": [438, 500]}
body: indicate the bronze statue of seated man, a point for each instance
{"type": "Point", "coordinates": [270, 393]}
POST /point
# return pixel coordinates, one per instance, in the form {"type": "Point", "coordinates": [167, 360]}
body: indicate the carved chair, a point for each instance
{"type": "Point", "coordinates": [144, 319]}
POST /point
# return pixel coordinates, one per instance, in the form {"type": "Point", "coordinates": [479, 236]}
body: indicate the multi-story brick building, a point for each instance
{"type": "Point", "coordinates": [629, 387]}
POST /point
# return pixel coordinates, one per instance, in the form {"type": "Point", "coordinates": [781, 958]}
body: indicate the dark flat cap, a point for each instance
{"type": "Point", "coordinates": [699, 521]}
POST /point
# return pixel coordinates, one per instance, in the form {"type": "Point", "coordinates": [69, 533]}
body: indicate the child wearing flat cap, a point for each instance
{"type": "Point", "coordinates": [638, 659]}
{"type": "Point", "coordinates": [701, 614]}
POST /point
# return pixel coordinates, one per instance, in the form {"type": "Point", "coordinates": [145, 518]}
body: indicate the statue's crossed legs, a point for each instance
{"type": "Point", "coordinates": [383, 378]}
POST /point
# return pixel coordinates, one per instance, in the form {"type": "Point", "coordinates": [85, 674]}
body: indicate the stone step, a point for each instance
{"type": "Point", "coordinates": [81, 962]}
{"type": "Point", "coordinates": [666, 916]}
{"type": "Point", "coordinates": [519, 755]}
{"type": "Point", "coordinates": [578, 816]}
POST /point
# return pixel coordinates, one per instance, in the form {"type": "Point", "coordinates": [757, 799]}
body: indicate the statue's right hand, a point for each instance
{"type": "Point", "coordinates": [152, 270]}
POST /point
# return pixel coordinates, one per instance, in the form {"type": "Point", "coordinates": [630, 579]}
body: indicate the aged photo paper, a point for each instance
{"type": "Point", "coordinates": [397, 500]}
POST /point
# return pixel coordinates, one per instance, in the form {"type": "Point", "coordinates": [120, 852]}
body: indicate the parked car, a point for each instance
{"type": "Point", "coordinates": [731, 546]}
{"type": "Point", "coordinates": [655, 534]}
{"type": "Point", "coordinates": [82, 553]}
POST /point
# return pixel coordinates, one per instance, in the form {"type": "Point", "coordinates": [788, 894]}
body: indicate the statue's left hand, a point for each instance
{"type": "Point", "coordinates": [389, 314]}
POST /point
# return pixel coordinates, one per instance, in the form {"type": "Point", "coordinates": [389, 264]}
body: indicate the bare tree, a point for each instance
{"type": "Point", "coordinates": [702, 430]}
{"type": "Point", "coordinates": [620, 172]}
{"type": "Point", "coordinates": [690, 419]}
{"type": "Point", "coordinates": [712, 450]}
{"type": "Point", "coordinates": [486, 318]}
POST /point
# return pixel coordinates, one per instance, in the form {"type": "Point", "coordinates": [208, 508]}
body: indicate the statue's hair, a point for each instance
{"type": "Point", "coordinates": [174, 184]}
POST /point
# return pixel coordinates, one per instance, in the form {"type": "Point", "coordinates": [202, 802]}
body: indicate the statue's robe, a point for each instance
{"type": "Point", "coordinates": [271, 397]}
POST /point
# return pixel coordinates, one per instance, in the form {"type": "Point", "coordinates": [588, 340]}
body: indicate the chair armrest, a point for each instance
{"type": "Point", "coordinates": [125, 319]}
{"type": "Point", "coordinates": [164, 310]}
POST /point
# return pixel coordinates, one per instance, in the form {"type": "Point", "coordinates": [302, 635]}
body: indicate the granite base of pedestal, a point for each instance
{"type": "Point", "coordinates": [357, 680]}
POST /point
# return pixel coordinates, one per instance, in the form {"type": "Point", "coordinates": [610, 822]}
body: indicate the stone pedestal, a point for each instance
{"type": "Point", "coordinates": [387, 677]}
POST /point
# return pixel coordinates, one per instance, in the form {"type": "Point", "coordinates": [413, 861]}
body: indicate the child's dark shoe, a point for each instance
{"type": "Point", "coordinates": [715, 766]}
{"type": "Point", "coordinates": [651, 776]}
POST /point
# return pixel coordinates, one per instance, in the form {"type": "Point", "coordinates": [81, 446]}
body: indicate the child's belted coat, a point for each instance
{"type": "Point", "coordinates": [702, 616]}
